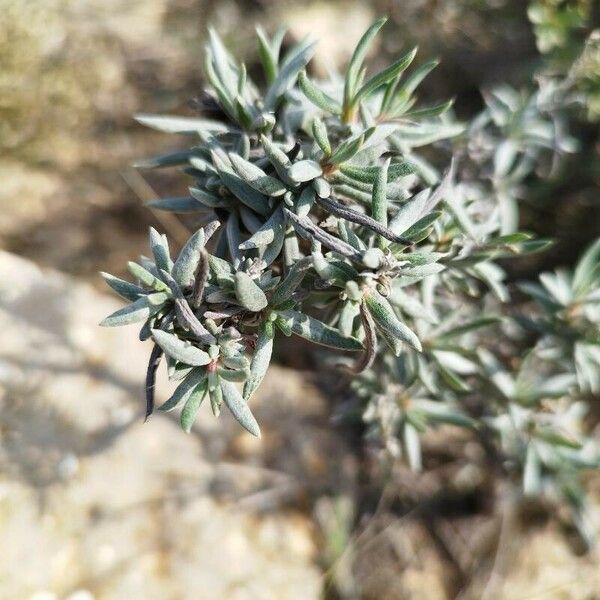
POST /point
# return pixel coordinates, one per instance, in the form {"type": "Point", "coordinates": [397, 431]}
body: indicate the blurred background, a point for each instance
{"type": "Point", "coordinates": [95, 504]}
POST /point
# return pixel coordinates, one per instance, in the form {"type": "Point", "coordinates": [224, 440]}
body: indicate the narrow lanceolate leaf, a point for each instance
{"type": "Point", "coordinates": [146, 277]}
{"type": "Point", "coordinates": [358, 58]}
{"type": "Point", "coordinates": [369, 174]}
{"type": "Point", "coordinates": [256, 177]}
{"type": "Point", "coordinates": [304, 170]}
{"type": "Point", "coordinates": [320, 134]}
{"type": "Point", "coordinates": [277, 157]}
{"type": "Point", "coordinates": [293, 63]}
{"type": "Point", "coordinates": [140, 310]}
{"type": "Point", "coordinates": [164, 160]}
{"type": "Point", "coordinates": [182, 204]}
{"type": "Point", "coordinates": [388, 323]}
{"type": "Point", "coordinates": [266, 234]}
{"type": "Point", "coordinates": [260, 359]}
{"type": "Point", "coordinates": [239, 408]}
{"type": "Point", "coordinates": [180, 350]}
{"type": "Point", "coordinates": [268, 58]}
{"type": "Point", "coordinates": [430, 111]}
{"type": "Point", "coordinates": [248, 293]}
{"type": "Point", "coordinates": [246, 193]}
{"type": "Point", "coordinates": [317, 332]}
{"type": "Point", "coordinates": [284, 291]}
{"type": "Point", "coordinates": [388, 74]}
{"type": "Point", "coordinates": [192, 380]}
{"type": "Point", "coordinates": [126, 290]}
{"type": "Point", "coordinates": [317, 96]}
{"type": "Point", "coordinates": [172, 124]}
{"type": "Point", "coordinates": [186, 264]}
{"type": "Point", "coordinates": [192, 405]}
{"type": "Point", "coordinates": [160, 250]}
{"type": "Point", "coordinates": [346, 150]}
{"type": "Point", "coordinates": [379, 204]}
{"type": "Point", "coordinates": [588, 268]}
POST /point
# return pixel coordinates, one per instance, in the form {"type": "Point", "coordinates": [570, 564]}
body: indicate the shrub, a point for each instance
{"type": "Point", "coordinates": [334, 211]}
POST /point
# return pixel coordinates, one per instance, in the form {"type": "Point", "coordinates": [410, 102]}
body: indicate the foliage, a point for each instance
{"type": "Point", "coordinates": [333, 222]}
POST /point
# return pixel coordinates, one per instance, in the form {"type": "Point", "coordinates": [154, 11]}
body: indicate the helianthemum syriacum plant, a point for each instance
{"type": "Point", "coordinates": [333, 210]}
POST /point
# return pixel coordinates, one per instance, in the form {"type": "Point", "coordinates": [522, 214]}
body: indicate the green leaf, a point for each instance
{"type": "Point", "coordinates": [244, 192]}
{"type": "Point", "coordinates": [160, 250]}
{"type": "Point", "coordinates": [182, 204]}
{"type": "Point", "coordinates": [317, 332]}
{"type": "Point", "coordinates": [388, 74]}
{"type": "Point", "coordinates": [431, 111]}
{"type": "Point", "coordinates": [180, 350]}
{"type": "Point", "coordinates": [294, 62]}
{"type": "Point", "coordinates": [183, 391]}
{"type": "Point", "coordinates": [239, 408]}
{"type": "Point", "coordinates": [369, 174]}
{"type": "Point", "coordinates": [319, 131]}
{"type": "Point", "coordinates": [147, 278]}
{"type": "Point", "coordinates": [140, 310]}
{"type": "Point", "coordinates": [126, 290]}
{"type": "Point", "coordinates": [346, 150]}
{"type": "Point", "coordinates": [187, 125]}
{"type": "Point", "coordinates": [192, 405]}
{"type": "Point", "coordinates": [587, 269]}
{"type": "Point", "coordinates": [260, 359]}
{"type": "Point", "coordinates": [304, 170]}
{"type": "Point", "coordinates": [184, 269]}
{"type": "Point", "coordinates": [266, 234]}
{"type": "Point", "coordinates": [256, 177]}
{"type": "Point", "coordinates": [171, 159]}
{"type": "Point", "coordinates": [379, 204]}
{"type": "Point", "coordinates": [388, 323]}
{"type": "Point", "coordinates": [284, 291]}
{"type": "Point", "coordinates": [358, 58]}
{"type": "Point", "coordinates": [317, 96]}
{"type": "Point", "coordinates": [268, 58]}
{"type": "Point", "coordinates": [248, 293]}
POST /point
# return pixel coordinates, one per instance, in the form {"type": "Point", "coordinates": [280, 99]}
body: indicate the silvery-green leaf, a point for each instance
{"type": "Point", "coordinates": [322, 187]}
{"type": "Point", "coordinates": [319, 131]}
{"type": "Point", "coordinates": [256, 177]}
{"type": "Point", "coordinates": [147, 278]}
{"type": "Point", "coordinates": [248, 293]}
{"type": "Point", "coordinates": [268, 57]}
{"type": "Point", "coordinates": [430, 111]}
{"type": "Point", "coordinates": [289, 285]}
{"type": "Point", "coordinates": [317, 96]}
{"type": "Point", "coordinates": [277, 157]}
{"type": "Point", "coordinates": [532, 472]}
{"type": "Point", "coordinates": [185, 266]}
{"type": "Point", "coordinates": [160, 250]}
{"type": "Point", "coordinates": [192, 405]}
{"type": "Point", "coordinates": [587, 269]}
{"type": "Point", "coordinates": [410, 305]}
{"type": "Point", "coordinates": [369, 174]}
{"type": "Point", "coordinates": [126, 290]}
{"type": "Point", "coordinates": [232, 231]}
{"type": "Point", "coordinates": [305, 201]}
{"type": "Point", "coordinates": [139, 310]}
{"type": "Point", "coordinates": [223, 63]}
{"type": "Point", "coordinates": [207, 199]}
{"type": "Point", "coordinates": [244, 192]}
{"type": "Point", "coordinates": [183, 204]}
{"type": "Point", "coordinates": [388, 74]}
{"type": "Point", "coordinates": [358, 58]}
{"type": "Point", "coordinates": [172, 124]}
{"type": "Point", "coordinates": [239, 408]}
{"type": "Point", "coordinates": [292, 64]}
{"type": "Point", "coordinates": [180, 350]}
{"type": "Point", "coordinates": [412, 445]}
{"type": "Point", "coordinates": [260, 359]}
{"type": "Point", "coordinates": [317, 332]}
{"type": "Point", "coordinates": [379, 204]}
{"type": "Point", "coordinates": [347, 149]}
{"type": "Point", "coordinates": [232, 375]}
{"type": "Point", "coordinates": [266, 234]}
{"type": "Point", "coordinates": [269, 253]}
{"type": "Point", "coordinates": [304, 170]}
{"type": "Point", "coordinates": [387, 322]}
{"type": "Point", "coordinates": [164, 160]}
{"type": "Point", "coordinates": [192, 380]}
